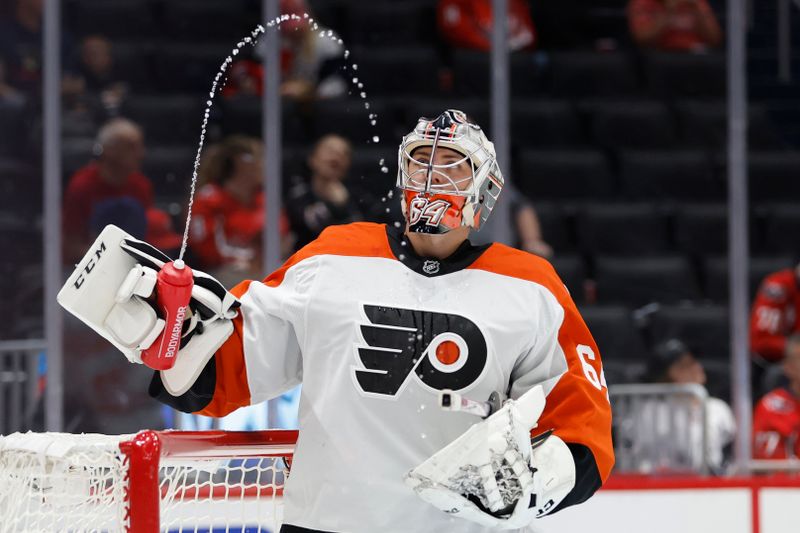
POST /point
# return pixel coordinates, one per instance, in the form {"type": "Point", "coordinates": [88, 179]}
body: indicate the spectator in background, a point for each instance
{"type": "Point", "coordinates": [468, 24]}
{"type": "Point", "coordinates": [113, 181]}
{"type": "Point", "coordinates": [21, 49]}
{"type": "Point", "coordinates": [228, 214]}
{"type": "Point", "coordinates": [775, 316]}
{"type": "Point", "coordinates": [673, 362]}
{"type": "Point", "coordinates": [674, 25]}
{"type": "Point", "coordinates": [323, 199]}
{"type": "Point", "coordinates": [100, 77]}
{"type": "Point", "coordinates": [776, 421]}
{"type": "Point", "coordinates": [311, 67]}
{"type": "Point", "coordinates": [526, 223]}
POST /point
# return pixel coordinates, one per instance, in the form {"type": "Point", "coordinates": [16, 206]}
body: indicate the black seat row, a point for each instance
{"type": "Point", "coordinates": [661, 279]}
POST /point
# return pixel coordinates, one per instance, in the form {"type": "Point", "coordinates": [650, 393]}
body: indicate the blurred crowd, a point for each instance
{"type": "Point", "coordinates": [129, 149]}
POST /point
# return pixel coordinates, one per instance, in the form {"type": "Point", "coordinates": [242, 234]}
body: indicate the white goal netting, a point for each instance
{"type": "Point", "coordinates": [153, 481]}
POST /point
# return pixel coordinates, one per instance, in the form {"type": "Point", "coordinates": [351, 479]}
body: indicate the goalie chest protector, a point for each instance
{"type": "Point", "coordinates": [374, 332]}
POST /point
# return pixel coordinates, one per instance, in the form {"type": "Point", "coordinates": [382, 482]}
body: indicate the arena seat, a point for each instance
{"type": "Point", "coordinates": [406, 71]}
{"type": "Point", "coordinates": [590, 74]}
{"type": "Point", "coordinates": [365, 171]}
{"type": "Point", "coordinates": [538, 122]}
{"type": "Point", "coordinates": [571, 270]}
{"type": "Point", "coordinates": [641, 280]}
{"type": "Point", "coordinates": [170, 170]}
{"type": "Point", "coordinates": [133, 62]}
{"type": "Point", "coordinates": [665, 175]}
{"type": "Point", "coordinates": [242, 116]}
{"type": "Point", "coordinates": [391, 23]}
{"type": "Point", "coordinates": [225, 21]}
{"type": "Point", "coordinates": [774, 175]}
{"type": "Point", "coordinates": [560, 174]}
{"type": "Point", "coordinates": [556, 228]}
{"type": "Point", "coordinates": [716, 274]}
{"type": "Point", "coordinates": [122, 19]}
{"type": "Point", "coordinates": [350, 119]}
{"type": "Point", "coordinates": [13, 130]}
{"type": "Point", "coordinates": [782, 227]}
{"type": "Point", "coordinates": [615, 333]}
{"type": "Point", "coordinates": [682, 75]}
{"type": "Point", "coordinates": [20, 192]}
{"type": "Point", "coordinates": [705, 124]}
{"type": "Point", "coordinates": [622, 229]}
{"type": "Point", "coordinates": [188, 68]}
{"type": "Point", "coordinates": [150, 112]}
{"type": "Point", "coordinates": [75, 153]}
{"type": "Point", "coordinates": [704, 328]}
{"type": "Point", "coordinates": [471, 74]}
{"type": "Point", "coordinates": [702, 229]}
{"type": "Point", "coordinates": [630, 124]}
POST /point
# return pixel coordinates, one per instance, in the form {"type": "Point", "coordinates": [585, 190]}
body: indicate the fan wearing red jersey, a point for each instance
{"type": "Point", "coordinates": [775, 314]}
{"type": "Point", "coordinates": [377, 323]}
{"type": "Point", "coordinates": [776, 422]}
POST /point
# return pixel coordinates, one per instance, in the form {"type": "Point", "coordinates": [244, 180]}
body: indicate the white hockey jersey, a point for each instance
{"type": "Point", "coordinates": [374, 332]}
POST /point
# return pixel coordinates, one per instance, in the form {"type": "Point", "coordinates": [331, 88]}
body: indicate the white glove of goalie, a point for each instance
{"type": "Point", "coordinates": [112, 290]}
{"type": "Point", "coordinates": [493, 474]}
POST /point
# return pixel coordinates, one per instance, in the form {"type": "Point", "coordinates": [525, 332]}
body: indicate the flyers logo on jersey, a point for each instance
{"type": "Point", "coordinates": [443, 351]}
{"type": "Point", "coordinates": [431, 211]}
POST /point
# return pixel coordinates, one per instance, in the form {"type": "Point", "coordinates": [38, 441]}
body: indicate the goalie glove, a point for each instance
{"type": "Point", "coordinates": [494, 474]}
{"type": "Point", "coordinates": [113, 290]}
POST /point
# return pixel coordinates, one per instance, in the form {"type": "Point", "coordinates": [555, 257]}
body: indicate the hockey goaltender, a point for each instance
{"type": "Point", "coordinates": [376, 323]}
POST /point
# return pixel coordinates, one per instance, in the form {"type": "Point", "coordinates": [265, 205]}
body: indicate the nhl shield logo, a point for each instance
{"type": "Point", "coordinates": [430, 266]}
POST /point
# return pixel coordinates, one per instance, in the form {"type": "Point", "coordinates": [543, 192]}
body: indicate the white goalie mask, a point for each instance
{"type": "Point", "coordinates": [441, 194]}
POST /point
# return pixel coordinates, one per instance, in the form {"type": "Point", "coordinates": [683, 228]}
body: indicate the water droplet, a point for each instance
{"type": "Point", "coordinates": [397, 225]}
{"type": "Point", "coordinates": [355, 67]}
{"type": "Point", "coordinates": [422, 407]}
{"type": "Point", "coordinates": [235, 52]}
{"type": "Point", "coordinates": [366, 105]}
{"type": "Point", "coordinates": [305, 15]}
{"type": "Point", "coordinates": [401, 257]}
{"type": "Point", "coordinates": [390, 194]}
{"type": "Point", "coordinates": [330, 33]}
{"type": "Point", "coordinates": [360, 85]}
{"type": "Point", "coordinates": [422, 435]}
{"type": "Point", "coordinates": [346, 54]}
{"type": "Point", "coordinates": [355, 80]}
{"type": "Point", "coordinates": [385, 170]}
{"type": "Point", "coordinates": [388, 210]}
{"type": "Point", "coordinates": [376, 139]}
{"type": "Point", "coordinates": [382, 160]}
{"type": "Point", "coordinates": [363, 94]}
{"type": "Point", "coordinates": [419, 336]}
{"type": "Point", "coordinates": [383, 199]}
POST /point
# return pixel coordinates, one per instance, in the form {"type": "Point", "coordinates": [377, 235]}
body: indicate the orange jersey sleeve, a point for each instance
{"type": "Point", "coordinates": [577, 408]}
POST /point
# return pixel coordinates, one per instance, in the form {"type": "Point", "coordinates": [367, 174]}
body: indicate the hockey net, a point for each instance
{"type": "Point", "coordinates": [172, 481]}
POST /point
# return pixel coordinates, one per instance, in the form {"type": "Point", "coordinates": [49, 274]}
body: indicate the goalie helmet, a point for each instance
{"type": "Point", "coordinates": [434, 199]}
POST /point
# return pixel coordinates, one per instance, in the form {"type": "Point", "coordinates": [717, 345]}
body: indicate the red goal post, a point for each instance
{"type": "Point", "coordinates": [144, 483]}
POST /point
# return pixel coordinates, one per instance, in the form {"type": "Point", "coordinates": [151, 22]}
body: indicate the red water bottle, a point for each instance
{"type": "Point", "coordinates": [173, 289]}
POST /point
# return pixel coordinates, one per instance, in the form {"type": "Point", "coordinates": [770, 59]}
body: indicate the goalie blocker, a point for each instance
{"type": "Point", "coordinates": [114, 290]}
